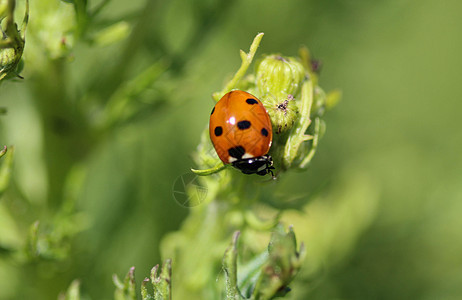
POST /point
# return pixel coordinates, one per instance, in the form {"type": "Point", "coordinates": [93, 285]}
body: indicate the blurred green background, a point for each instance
{"type": "Point", "coordinates": [394, 140]}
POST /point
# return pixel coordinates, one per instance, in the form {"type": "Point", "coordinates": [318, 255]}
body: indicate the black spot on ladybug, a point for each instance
{"type": "Point", "coordinates": [218, 131]}
{"type": "Point", "coordinates": [213, 110]}
{"type": "Point", "coordinates": [236, 152]}
{"type": "Point", "coordinates": [264, 132]}
{"type": "Point", "coordinates": [243, 124]}
{"type": "Point", "coordinates": [251, 101]}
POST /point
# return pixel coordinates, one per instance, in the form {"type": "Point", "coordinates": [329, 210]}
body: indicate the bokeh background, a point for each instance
{"type": "Point", "coordinates": [385, 187]}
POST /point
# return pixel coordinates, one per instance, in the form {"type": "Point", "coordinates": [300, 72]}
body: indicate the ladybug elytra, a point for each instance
{"type": "Point", "coordinates": [241, 132]}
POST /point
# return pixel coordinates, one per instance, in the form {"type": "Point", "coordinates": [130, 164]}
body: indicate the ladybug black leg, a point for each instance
{"type": "Point", "coordinates": [270, 170]}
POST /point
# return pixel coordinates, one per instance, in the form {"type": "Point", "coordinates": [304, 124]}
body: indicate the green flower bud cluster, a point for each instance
{"type": "Point", "coordinates": [278, 81]}
{"type": "Point", "coordinates": [279, 76]}
{"type": "Point", "coordinates": [12, 41]}
{"type": "Point", "coordinates": [288, 88]}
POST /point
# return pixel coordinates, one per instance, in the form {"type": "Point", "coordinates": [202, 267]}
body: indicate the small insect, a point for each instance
{"type": "Point", "coordinates": [241, 132]}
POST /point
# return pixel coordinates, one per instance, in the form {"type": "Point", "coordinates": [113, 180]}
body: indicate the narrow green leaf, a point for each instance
{"type": "Point", "coordinates": [32, 250]}
{"type": "Point", "coordinates": [258, 224]}
{"type": "Point", "coordinates": [314, 146]}
{"type": "Point", "coordinates": [112, 34]}
{"type": "Point", "coordinates": [73, 292]}
{"type": "Point", "coordinates": [297, 134]}
{"type": "Point", "coordinates": [162, 283]}
{"type": "Point", "coordinates": [219, 167]}
{"type": "Point", "coordinates": [144, 290]}
{"type": "Point", "coordinates": [282, 265]}
{"type": "Point", "coordinates": [5, 168]}
{"type": "Point", "coordinates": [333, 98]}
{"type": "Point", "coordinates": [124, 102]}
{"type": "Point", "coordinates": [117, 282]}
{"type": "Point", "coordinates": [246, 61]}
{"type": "Point", "coordinates": [130, 284]}
{"type": "Point", "coordinates": [230, 268]}
{"type": "Point", "coordinates": [125, 290]}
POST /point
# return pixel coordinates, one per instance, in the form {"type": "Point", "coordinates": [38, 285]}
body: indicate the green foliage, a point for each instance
{"type": "Point", "coordinates": [289, 91]}
{"type": "Point", "coordinates": [268, 274]}
{"type": "Point", "coordinates": [161, 284]}
{"type": "Point", "coordinates": [115, 98]}
{"type": "Point", "coordinates": [230, 195]}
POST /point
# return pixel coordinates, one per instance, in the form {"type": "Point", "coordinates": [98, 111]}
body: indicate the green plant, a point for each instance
{"type": "Point", "coordinates": [74, 124]}
{"type": "Point", "coordinates": [39, 233]}
{"type": "Point", "coordinates": [234, 200]}
{"type": "Point", "coordinates": [160, 284]}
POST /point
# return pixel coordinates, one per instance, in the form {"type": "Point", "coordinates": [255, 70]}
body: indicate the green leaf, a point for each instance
{"type": "Point", "coordinates": [125, 290]}
{"type": "Point", "coordinates": [5, 168]}
{"type": "Point", "coordinates": [73, 292]}
{"type": "Point", "coordinates": [145, 295]}
{"type": "Point", "coordinates": [230, 268]}
{"type": "Point", "coordinates": [112, 34]}
{"type": "Point", "coordinates": [246, 61]}
{"type": "Point", "coordinates": [219, 167]}
{"type": "Point", "coordinates": [268, 274]}
{"type": "Point", "coordinates": [32, 250]}
{"type": "Point", "coordinates": [297, 133]}
{"type": "Point", "coordinates": [162, 283]}
{"type": "Point", "coordinates": [125, 102]}
{"type": "Point", "coordinates": [162, 289]}
{"type": "Point", "coordinates": [282, 265]}
{"type": "Point", "coordinates": [314, 145]}
{"type": "Point", "coordinates": [333, 98]}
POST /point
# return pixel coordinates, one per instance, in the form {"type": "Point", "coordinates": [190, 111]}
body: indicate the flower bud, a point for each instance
{"type": "Point", "coordinates": [9, 60]}
{"type": "Point", "coordinates": [278, 81]}
{"type": "Point", "coordinates": [11, 40]}
{"type": "Point", "coordinates": [279, 76]}
{"type": "Point", "coordinates": [282, 111]}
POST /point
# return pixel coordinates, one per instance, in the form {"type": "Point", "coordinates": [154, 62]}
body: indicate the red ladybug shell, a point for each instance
{"type": "Point", "coordinates": [240, 127]}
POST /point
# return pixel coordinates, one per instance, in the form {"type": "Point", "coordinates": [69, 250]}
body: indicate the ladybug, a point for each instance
{"type": "Point", "coordinates": [241, 132]}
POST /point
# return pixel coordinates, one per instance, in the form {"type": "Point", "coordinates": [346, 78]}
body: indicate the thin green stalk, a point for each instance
{"type": "Point", "coordinates": [247, 59]}
{"type": "Point", "coordinates": [230, 267]}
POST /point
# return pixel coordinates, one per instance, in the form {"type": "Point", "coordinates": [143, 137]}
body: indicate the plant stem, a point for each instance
{"type": "Point", "coordinates": [67, 138]}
